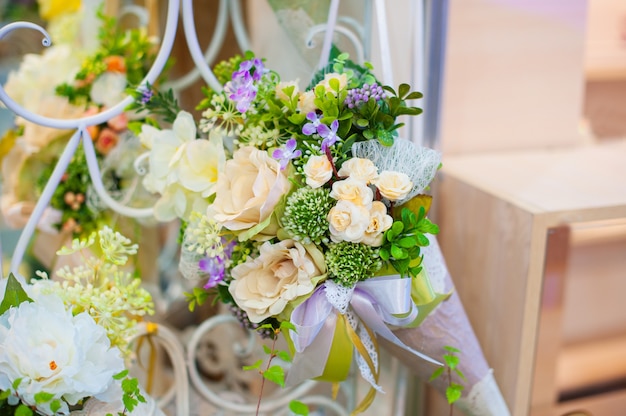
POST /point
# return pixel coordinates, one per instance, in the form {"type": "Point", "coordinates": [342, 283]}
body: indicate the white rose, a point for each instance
{"type": "Point", "coordinates": [318, 171]}
{"type": "Point", "coordinates": [201, 162]}
{"type": "Point", "coordinates": [353, 190]}
{"type": "Point", "coordinates": [265, 285]}
{"type": "Point", "coordinates": [393, 185]}
{"type": "Point", "coordinates": [248, 190]}
{"type": "Point", "coordinates": [380, 222]}
{"type": "Point", "coordinates": [359, 168]}
{"type": "Point", "coordinates": [348, 222]}
{"type": "Point", "coordinates": [50, 350]}
{"type": "Point", "coordinates": [108, 89]}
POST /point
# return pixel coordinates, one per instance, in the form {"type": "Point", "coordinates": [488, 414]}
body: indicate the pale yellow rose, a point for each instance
{"type": "Point", "coordinates": [359, 168]}
{"type": "Point", "coordinates": [264, 286]}
{"type": "Point", "coordinates": [348, 222]}
{"type": "Point", "coordinates": [280, 93]}
{"type": "Point", "coordinates": [306, 102]}
{"type": "Point", "coordinates": [342, 78]}
{"type": "Point", "coordinates": [380, 222]}
{"type": "Point", "coordinates": [248, 190]}
{"type": "Point", "coordinates": [318, 171]}
{"type": "Point", "coordinates": [353, 190]}
{"type": "Point", "coordinates": [393, 185]}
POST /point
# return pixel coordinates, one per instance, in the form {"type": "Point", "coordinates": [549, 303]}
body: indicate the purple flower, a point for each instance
{"type": "Point", "coordinates": [328, 134]}
{"type": "Point", "coordinates": [146, 96]}
{"type": "Point", "coordinates": [241, 90]}
{"type": "Point", "coordinates": [310, 128]}
{"type": "Point", "coordinates": [286, 154]}
{"type": "Point", "coordinates": [215, 268]}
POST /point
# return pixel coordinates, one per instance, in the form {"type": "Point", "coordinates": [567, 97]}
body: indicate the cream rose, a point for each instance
{"type": "Point", "coordinates": [359, 168]}
{"type": "Point", "coordinates": [380, 222]}
{"type": "Point", "coordinates": [348, 222]}
{"type": "Point", "coordinates": [353, 190]}
{"type": "Point", "coordinates": [306, 102]}
{"type": "Point", "coordinates": [318, 171]}
{"type": "Point", "coordinates": [281, 94]}
{"type": "Point", "coordinates": [265, 285]}
{"type": "Point", "coordinates": [248, 190]}
{"type": "Point", "coordinates": [342, 78]}
{"type": "Point", "coordinates": [393, 185]}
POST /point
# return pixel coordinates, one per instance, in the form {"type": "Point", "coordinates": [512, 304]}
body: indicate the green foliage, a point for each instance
{"type": "Point", "coordinates": [451, 360]}
{"type": "Point", "coordinates": [150, 100]}
{"type": "Point", "coordinates": [14, 295]}
{"type": "Point", "coordinates": [298, 408]}
{"type": "Point", "coordinates": [197, 297]}
{"type": "Point", "coordinates": [402, 242]}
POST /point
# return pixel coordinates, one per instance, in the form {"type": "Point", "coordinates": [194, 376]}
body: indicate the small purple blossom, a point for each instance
{"type": "Point", "coordinates": [215, 268]}
{"type": "Point", "coordinates": [284, 155]}
{"type": "Point", "coordinates": [310, 128]}
{"type": "Point", "coordinates": [358, 96]}
{"type": "Point", "coordinates": [241, 88]}
{"type": "Point", "coordinates": [329, 134]}
{"type": "Point", "coordinates": [146, 96]}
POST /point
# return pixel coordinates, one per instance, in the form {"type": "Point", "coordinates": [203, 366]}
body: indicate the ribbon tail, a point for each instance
{"type": "Point", "coordinates": [368, 315]}
{"type": "Point", "coordinates": [312, 364]}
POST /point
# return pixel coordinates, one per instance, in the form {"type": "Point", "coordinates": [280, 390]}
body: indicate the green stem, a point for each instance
{"type": "Point", "coordinates": [269, 362]}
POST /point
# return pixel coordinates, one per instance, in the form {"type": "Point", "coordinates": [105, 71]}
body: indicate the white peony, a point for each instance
{"type": "Point", "coordinates": [52, 351]}
{"type": "Point", "coordinates": [38, 75]}
{"type": "Point", "coordinates": [108, 89]}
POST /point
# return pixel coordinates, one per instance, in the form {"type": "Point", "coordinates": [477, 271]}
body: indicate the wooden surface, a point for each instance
{"type": "Point", "coordinates": [495, 213]}
{"type": "Point", "coordinates": [514, 74]}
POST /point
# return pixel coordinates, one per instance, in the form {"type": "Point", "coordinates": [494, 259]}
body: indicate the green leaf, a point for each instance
{"type": "Point", "coordinates": [4, 394]}
{"type": "Point", "coordinates": [267, 349]}
{"type": "Point", "coordinates": [16, 383]}
{"type": "Point", "coordinates": [298, 408]}
{"type": "Point", "coordinates": [43, 397]}
{"type": "Point", "coordinates": [275, 374]}
{"type": "Point", "coordinates": [398, 253]}
{"type": "Point", "coordinates": [422, 240]}
{"type": "Point", "coordinates": [414, 95]}
{"type": "Point", "coordinates": [403, 90]}
{"type": "Point", "coordinates": [451, 360]}
{"type": "Point", "coordinates": [397, 227]}
{"type": "Point", "coordinates": [384, 254]}
{"type": "Point", "coordinates": [388, 88]}
{"type": "Point", "coordinates": [460, 374]}
{"type": "Point", "coordinates": [362, 123]}
{"type": "Point", "coordinates": [284, 355]}
{"type": "Point", "coordinates": [334, 84]}
{"type": "Point", "coordinates": [55, 405]}
{"type": "Point", "coordinates": [453, 393]}
{"type": "Point", "coordinates": [297, 118]}
{"type": "Point", "coordinates": [120, 375]}
{"type": "Point", "coordinates": [407, 242]}
{"type": "Point", "coordinates": [368, 134]}
{"type": "Point", "coordinates": [438, 372]}
{"type": "Point", "coordinates": [23, 410]}
{"type": "Point", "coordinates": [385, 139]}
{"type": "Point", "coordinates": [254, 366]}
{"type": "Point", "coordinates": [286, 325]}
{"type": "Point", "coordinates": [451, 349]}
{"type": "Point", "coordinates": [14, 295]}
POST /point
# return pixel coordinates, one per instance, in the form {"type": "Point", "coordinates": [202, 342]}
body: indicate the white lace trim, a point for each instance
{"type": "Point", "coordinates": [339, 296]}
{"type": "Point", "coordinates": [484, 399]}
{"type": "Point", "coordinates": [366, 373]}
{"type": "Point", "coordinates": [419, 163]}
{"type": "Point", "coordinates": [435, 265]}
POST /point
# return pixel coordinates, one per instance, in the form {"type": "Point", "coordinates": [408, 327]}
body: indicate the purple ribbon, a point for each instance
{"type": "Point", "coordinates": [378, 302]}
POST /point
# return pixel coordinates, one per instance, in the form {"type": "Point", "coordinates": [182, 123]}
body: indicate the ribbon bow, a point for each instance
{"type": "Point", "coordinates": [377, 302]}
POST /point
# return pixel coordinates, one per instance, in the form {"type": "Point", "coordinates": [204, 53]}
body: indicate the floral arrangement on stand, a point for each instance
{"type": "Point", "coordinates": [301, 207]}
{"type": "Point", "coordinates": [64, 344]}
{"type": "Point", "coordinates": [67, 86]}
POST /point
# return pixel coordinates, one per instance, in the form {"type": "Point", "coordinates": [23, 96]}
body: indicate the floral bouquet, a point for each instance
{"type": "Point", "coordinates": [302, 207]}
{"type": "Point", "coordinates": [63, 344]}
{"type": "Point", "coordinates": [69, 84]}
